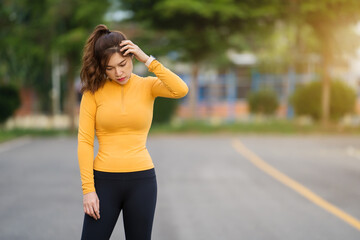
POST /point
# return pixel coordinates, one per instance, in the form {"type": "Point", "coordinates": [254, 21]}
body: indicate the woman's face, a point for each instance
{"type": "Point", "coordinates": [119, 68]}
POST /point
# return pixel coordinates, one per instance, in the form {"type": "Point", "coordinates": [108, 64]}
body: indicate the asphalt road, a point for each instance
{"type": "Point", "coordinates": [206, 188]}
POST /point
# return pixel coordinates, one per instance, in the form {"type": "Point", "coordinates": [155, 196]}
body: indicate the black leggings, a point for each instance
{"type": "Point", "coordinates": [133, 192]}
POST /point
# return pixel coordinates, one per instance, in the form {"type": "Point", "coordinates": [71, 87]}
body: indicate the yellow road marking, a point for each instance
{"type": "Point", "coordinates": [297, 187]}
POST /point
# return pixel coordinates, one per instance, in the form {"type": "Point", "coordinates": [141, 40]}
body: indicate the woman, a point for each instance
{"type": "Point", "coordinates": [118, 104]}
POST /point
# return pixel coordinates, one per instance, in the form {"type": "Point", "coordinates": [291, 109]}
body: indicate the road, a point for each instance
{"type": "Point", "coordinates": [207, 188]}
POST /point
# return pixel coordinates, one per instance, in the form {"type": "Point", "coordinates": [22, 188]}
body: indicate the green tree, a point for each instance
{"type": "Point", "coordinates": [329, 23]}
{"type": "Point", "coordinates": [24, 38]}
{"type": "Point", "coordinates": [33, 30]}
{"type": "Point", "coordinates": [73, 22]}
{"type": "Point", "coordinates": [200, 30]}
{"type": "Point", "coordinates": [9, 101]}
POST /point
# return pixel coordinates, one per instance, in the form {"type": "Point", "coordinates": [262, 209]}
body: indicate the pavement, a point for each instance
{"type": "Point", "coordinates": [253, 187]}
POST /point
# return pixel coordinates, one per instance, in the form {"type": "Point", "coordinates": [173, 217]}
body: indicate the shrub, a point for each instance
{"type": "Point", "coordinates": [9, 101]}
{"type": "Point", "coordinates": [307, 99]}
{"type": "Point", "coordinates": [164, 108]}
{"type": "Point", "coordinates": [263, 102]}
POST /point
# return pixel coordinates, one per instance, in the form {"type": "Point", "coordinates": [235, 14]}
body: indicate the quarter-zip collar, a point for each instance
{"type": "Point", "coordinates": [123, 90]}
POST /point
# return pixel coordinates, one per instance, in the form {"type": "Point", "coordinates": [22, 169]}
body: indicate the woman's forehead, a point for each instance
{"type": "Point", "coordinates": [116, 58]}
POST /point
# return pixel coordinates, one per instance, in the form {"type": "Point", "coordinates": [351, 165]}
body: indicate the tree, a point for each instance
{"type": "Point", "coordinates": [9, 101]}
{"type": "Point", "coordinates": [32, 31]}
{"type": "Point", "coordinates": [73, 22]}
{"type": "Point", "coordinates": [24, 38]}
{"type": "Point", "coordinates": [307, 99]}
{"type": "Point", "coordinates": [198, 29]}
{"type": "Point", "coordinates": [330, 22]}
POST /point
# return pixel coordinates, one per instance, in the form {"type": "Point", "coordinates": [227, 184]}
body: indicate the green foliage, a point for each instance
{"type": "Point", "coordinates": [9, 101]}
{"type": "Point", "coordinates": [263, 102]}
{"type": "Point", "coordinates": [32, 30]}
{"type": "Point", "coordinates": [307, 99]}
{"type": "Point", "coordinates": [198, 30]}
{"type": "Point", "coordinates": [164, 109]}
{"type": "Point", "coordinates": [201, 29]}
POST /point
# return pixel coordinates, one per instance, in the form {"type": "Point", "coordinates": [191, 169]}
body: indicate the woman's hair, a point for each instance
{"type": "Point", "coordinates": [100, 46]}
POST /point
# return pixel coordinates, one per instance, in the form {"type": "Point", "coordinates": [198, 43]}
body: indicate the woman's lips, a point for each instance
{"type": "Point", "coordinates": [121, 79]}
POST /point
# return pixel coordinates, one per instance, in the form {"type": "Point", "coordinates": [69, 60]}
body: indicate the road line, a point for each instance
{"type": "Point", "coordinates": [18, 142]}
{"type": "Point", "coordinates": [297, 187]}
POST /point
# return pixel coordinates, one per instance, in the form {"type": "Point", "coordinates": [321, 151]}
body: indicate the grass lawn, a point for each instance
{"type": "Point", "coordinates": [6, 135]}
{"type": "Point", "coordinates": [202, 127]}
{"type": "Point", "coordinates": [264, 127]}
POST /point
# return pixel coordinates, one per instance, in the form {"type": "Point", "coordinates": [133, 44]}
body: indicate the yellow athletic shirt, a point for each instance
{"type": "Point", "coordinates": [121, 116]}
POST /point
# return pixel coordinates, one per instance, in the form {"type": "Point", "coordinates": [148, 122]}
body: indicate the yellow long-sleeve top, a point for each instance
{"type": "Point", "coordinates": [121, 116]}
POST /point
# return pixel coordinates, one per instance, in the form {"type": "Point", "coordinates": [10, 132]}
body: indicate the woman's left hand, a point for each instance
{"type": "Point", "coordinates": [130, 47]}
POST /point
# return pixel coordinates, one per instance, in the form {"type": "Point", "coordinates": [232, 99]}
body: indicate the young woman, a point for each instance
{"type": "Point", "coordinates": [117, 106]}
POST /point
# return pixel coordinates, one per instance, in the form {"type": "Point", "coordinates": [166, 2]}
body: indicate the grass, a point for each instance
{"type": "Point", "coordinates": [264, 127]}
{"type": "Point", "coordinates": [6, 135]}
{"type": "Point", "coordinates": [205, 127]}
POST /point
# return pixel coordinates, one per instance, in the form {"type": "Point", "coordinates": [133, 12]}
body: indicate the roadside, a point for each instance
{"type": "Point", "coordinates": [205, 127]}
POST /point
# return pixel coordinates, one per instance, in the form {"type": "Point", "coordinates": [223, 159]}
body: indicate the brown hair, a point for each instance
{"type": "Point", "coordinates": [100, 46]}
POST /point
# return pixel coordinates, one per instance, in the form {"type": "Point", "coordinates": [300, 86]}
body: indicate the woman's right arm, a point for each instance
{"type": "Point", "coordinates": [86, 136]}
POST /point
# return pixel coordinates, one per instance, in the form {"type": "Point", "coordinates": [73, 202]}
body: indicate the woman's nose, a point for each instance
{"type": "Point", "coordinates": [118, 72]}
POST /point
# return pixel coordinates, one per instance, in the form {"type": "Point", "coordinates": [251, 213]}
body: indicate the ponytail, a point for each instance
{"type": "Point", "coordinates": [99, 47]}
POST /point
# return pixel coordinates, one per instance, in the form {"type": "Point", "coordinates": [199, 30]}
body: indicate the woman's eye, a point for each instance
{"type": "Point", "coordinates": [109, 69]}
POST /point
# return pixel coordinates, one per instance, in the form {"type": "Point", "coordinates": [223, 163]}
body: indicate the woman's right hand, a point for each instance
{"type": "Point", "coordinates": [92, 205]}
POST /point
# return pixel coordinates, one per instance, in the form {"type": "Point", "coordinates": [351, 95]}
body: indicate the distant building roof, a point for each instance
{"type": "Point", "coordinates": [241, 58]}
